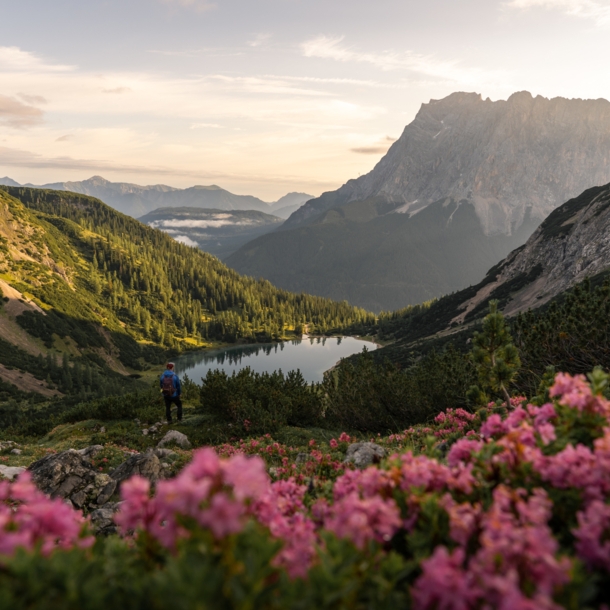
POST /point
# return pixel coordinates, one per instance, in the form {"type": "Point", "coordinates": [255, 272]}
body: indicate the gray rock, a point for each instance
{"type": "Point", "coordinates": [106, 492]}
{"type": "Point", "coordinates": [64, 474]}
{"type": "Point", "coordinates": [16, 451]}
{"type": "Point", "coordinates": [164, 453]}
{"type": "Point", "coordinates": [90, 451]}
{"type": "Point", "coordinates": [11, 472]}
{"type": "Point", "coordinates": [6, 444]}
{"type": "Point", "coordinates": [570, 245]}
{"type": "Point", "coordinates": [79, 498]}
{"type": "Point", "coordinates": [364, 454]}
{"type": "Point", "coordinates": [173, 436]}
{"type": "Point", "coordinates": [102, 519]}
{"type": "Point", "coordinates": [146, 465]}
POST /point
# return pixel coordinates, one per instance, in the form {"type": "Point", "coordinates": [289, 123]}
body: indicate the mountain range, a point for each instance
{"type": "Point", "coordinates": [135, 200]}
{"type": "Point", "coordinates": [468, 180]}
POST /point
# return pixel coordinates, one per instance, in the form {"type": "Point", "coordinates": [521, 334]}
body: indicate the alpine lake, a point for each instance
{"type": "Point", "coordinates": [311, 355]}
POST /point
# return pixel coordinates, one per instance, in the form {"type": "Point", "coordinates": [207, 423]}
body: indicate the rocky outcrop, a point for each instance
{"type": "Point", "coordinates": [571, 244]}
{"type": "Point", "coordinates": [514, 158]}
{"type": "Point", "coordinates": [173, 436]}
{"type": "Point", "coordinates": [146, 465]}
{"type": "Point", "coordinates": [364, 454]}
{"type": "Point", "coordinates": [71, 475]}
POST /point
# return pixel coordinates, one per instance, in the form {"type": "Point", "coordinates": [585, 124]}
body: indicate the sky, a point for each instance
{"type": "Point", "coordinates": [264, 97]}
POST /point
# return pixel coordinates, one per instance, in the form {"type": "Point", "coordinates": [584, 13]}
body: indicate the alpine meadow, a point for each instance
{"type": "Point", "coordinates": [305, 306]}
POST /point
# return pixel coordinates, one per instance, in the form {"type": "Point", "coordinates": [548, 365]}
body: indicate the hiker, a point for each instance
{"type": "Point", "coordinates": [171, 390]}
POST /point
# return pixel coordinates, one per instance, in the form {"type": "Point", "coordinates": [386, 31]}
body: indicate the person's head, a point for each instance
{"type": "Point", "coordinates": [170, 366]}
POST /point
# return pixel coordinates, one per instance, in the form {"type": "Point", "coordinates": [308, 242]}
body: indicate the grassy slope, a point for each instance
{"type": "Point", "coordinates": [121, 292]}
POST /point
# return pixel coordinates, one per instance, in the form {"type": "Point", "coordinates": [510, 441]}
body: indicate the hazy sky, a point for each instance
{"type": "Point", "coordinates": [266, 96]}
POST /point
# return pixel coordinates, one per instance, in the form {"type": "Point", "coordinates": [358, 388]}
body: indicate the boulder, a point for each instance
{"type": "Point", "coordinates": [68, 475]}
{"type": "Point", "coordinates": [364, 454]}
{"type": "Point", "coordinates": [164, 453]}
{"type": "Point", "coordinates": [146, 465]}
{"type": "Point", "coordinates": [90, 451]}
{"type": "Point", "coordinates": [102, 518]}
{"type": "Point", "coordinates": [173, 436]}
{"type": "Point", "coordinates": [16, 451]}
{"type": "Point", "coordinates": [10, 472]}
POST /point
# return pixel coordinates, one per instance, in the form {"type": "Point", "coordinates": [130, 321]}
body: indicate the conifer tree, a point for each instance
{"type": "Point", "coordinates": [495, 356]}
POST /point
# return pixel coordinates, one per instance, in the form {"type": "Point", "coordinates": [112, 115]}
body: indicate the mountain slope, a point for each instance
{"type": "Point", "coordinates": [383, 262]}
{"type": "Point", "coordinates": [215, 231]}
{"type": "Point", "coordinates": [82, 280]}
{"type": "Point", "coordinates": [512, 162]}
{"type": "Point", "coordinates": [570, 246]}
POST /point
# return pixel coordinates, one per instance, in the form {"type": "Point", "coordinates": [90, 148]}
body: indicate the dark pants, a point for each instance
{"type": "Point", "coordinates": [168, 407]}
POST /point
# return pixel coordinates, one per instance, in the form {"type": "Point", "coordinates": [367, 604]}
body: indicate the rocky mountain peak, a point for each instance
{"type": "Point", "coordinates": [512, 158]}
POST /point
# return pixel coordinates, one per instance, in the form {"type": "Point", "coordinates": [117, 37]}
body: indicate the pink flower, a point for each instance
{"type": "Point", "coordinates": [29, 518]}
{"type": "Point", "coordinates": [443, 584]}
{"type": "Point", "coordinates": [247, 476]}
{"type": "Point", "coordinates": [463, 519]}
{"type": "Point", "coordinates": [224, 517]}
{"type": "Point", "coordinates": [593, 535]}
{"type": "Point", "coordinates": [462, 450]}
{"type": "Point", "coordinates": [575, 392]}
{"type": "Point", "coordinates": [361, 520]}
{"type": "Point", "coordinates": [493, 426]}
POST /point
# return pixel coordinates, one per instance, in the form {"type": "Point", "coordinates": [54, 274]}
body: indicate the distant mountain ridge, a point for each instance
{"type": "Point", "coordinates": [135, 200]}
{"type": "Point", "coordinates": [504, 156]}
{"type": "Point", "coordinates": [500, 167]}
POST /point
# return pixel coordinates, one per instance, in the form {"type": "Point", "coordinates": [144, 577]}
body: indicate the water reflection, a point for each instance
{"type": "Point", "coordinates": [312, 356]}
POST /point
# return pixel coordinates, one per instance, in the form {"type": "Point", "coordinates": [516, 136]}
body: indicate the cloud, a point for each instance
{"type": "Point", "coordinates": [259, 40]}
{"type": "Point", "coordinates": [328, 47]}
{"type": "Point", "coordinates": [588, 9]}
{"type": "Point", "coordinates": [198, 5]}
{"type": "Point", "coordinates": [370, 150]}
{"type": "Point", "coordinates": [206, 126]}
{"type": "Point", "coordinates": [65, 138]}
{"type": "Point", "coordinates": [375, 149]}
{"type": "Point", "coordinates": [17, 114]}
{"type": "Point", "coordinates": [13, 59]}
{"type": "Point", "coordinates": [220, 220]}
{"type": "Point", "coordinates": [117, 90]}
{"type": "Point", "coordinates": [32, 99]}
{"type": "Point", "coordinates": [185, 239]}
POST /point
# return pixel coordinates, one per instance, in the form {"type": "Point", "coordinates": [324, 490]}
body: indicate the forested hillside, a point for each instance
{"type": "Point", "coordinates": [80, 278]}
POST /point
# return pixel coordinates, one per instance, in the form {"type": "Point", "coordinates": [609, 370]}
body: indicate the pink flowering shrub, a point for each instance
{"type": "Point", "coordinates": [29, 519]}
{"type": "Point", "coordinates": [514, 513]}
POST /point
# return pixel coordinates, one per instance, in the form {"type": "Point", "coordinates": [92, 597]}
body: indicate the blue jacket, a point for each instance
{"type": "Point", "coordinates": [176, 382]}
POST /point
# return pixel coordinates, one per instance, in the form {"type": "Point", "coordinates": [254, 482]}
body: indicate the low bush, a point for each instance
{"type": "Point", "coordinates": [255, 403]}
{"type": "Point", "coordinates": [517, 515]}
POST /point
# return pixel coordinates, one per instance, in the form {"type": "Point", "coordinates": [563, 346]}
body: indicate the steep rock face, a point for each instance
{"type": "Point", "coordinates": [504, 156]}
{"type": "Point", "coordinates": [571, 244]}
